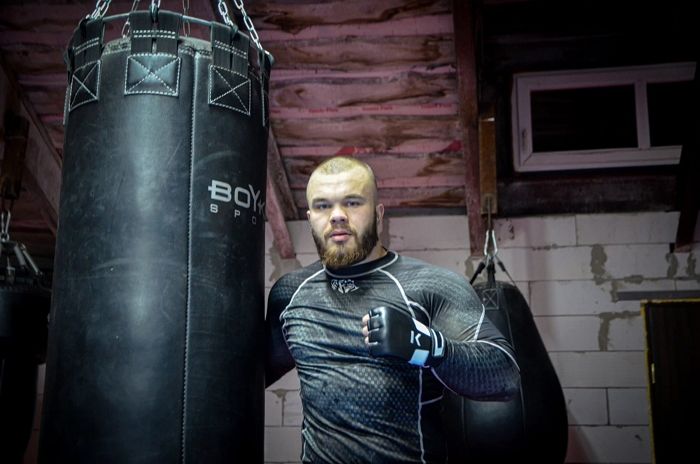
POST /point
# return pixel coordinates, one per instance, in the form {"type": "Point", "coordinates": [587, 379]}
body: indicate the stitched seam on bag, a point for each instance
{"type": "Point", "coordinates": [227, 48]}
{"type": "Point", "coordinates": [233, 90]}
{"type": "Point", "coordinates": [96, 95]}
{"type": "Point", "coordinates": [185, 376]}
{"type": "Point", "coordinates": [216, 103]}
{"type": "Point", "coordinates": [154, 73]}
{"type": "Point", "coordinates": [129, 90]}
{"type": "Point", "coordinates": [85, 45]}
{"type": "Point", "coordinates": [147, 33]}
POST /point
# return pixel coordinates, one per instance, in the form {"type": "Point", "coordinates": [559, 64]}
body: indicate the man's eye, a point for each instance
{"type": "Point", "coordinates": [353, 203]}
{"type": "Point", "coordinates": [322, 206]}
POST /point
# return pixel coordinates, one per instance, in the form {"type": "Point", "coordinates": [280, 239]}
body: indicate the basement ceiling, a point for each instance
{"type": "Point", "coordinates": [365, 78]}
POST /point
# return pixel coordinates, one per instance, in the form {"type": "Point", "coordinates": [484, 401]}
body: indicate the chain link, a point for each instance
{"type": "Point", "coordinates": [126, 28]}
{"type": "Point", "coordinates": [186, 29]}
{"type": "Point", "coordinates": [5, 225]}
{"type": "Point", "coordinates": [223, 10]}
{"type": "Point", "coordinates": [248, 23]}
{"type": "Point", "coordinates": [101, 7]}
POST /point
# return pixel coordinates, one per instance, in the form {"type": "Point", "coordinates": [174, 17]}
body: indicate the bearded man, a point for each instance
{"type": "Point", "coordinates": [375, 336]}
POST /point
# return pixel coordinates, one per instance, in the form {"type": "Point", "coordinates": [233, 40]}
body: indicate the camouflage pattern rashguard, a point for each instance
{"type": "Point", "coordinates": [363, 409]}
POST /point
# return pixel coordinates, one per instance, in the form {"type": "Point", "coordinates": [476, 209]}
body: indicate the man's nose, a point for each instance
{"type": "Point", "coordinates": [338, 216]}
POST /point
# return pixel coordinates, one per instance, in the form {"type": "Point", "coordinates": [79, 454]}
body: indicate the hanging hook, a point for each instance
{"type": "Point", "coordinates": [155, 6]}
{"type": "Point", "coordinates": [5, 226]}
{"type": "Point", "coordinates": [491, 251]}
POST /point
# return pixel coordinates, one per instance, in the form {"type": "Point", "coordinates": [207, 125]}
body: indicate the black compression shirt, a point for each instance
{"type": "Point", "coordinates": [361, 409]}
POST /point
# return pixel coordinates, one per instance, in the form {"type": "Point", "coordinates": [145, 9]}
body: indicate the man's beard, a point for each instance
{"type": "Point", "coordinates": [340, 255]}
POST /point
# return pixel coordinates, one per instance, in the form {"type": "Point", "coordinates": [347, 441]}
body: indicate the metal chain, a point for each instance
{"type": "Point", "coordinates": [223, 11]}
{"type": "Point", "coordinates": [126, 28]}
{"type": "Point", "coordinates": [248, 23]}
{"type": "Point", "coordinates": [186, 29]}
{"type": "Point", "coordinates": [101, 7]}
{"type": "Point", "coordinates": [5, 226]}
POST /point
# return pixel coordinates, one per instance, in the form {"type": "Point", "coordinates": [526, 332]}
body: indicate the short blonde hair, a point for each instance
{"type": "Point", "coordinates": [339, 164]}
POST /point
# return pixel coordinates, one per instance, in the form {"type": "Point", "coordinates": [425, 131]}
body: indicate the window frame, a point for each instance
{"type": "Point", "coordinates": [525, 160]}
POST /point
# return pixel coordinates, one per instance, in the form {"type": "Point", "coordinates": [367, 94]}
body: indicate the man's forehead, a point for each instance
{"type": "Point", "coordinates": [355, 181]}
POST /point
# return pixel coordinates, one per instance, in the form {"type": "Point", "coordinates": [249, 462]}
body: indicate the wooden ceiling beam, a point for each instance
{"type": "Point", "coordinates": [689, 175]}
{"type": "Point", "coordinates": [463, 12]}
{"type": "Point", "coordinates": [42, 160]}
{"type": "Point", "coordinates": [280, 202]}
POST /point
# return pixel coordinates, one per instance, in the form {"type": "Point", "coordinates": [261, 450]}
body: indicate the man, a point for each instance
{"type": "Point", "coordinates": [375, 336]}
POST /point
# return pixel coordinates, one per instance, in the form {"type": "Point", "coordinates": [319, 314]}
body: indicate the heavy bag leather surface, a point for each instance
{"type": "Point", "coordinates": [531, 427]}
{"type": "Point", "coordinates": [156, 326]}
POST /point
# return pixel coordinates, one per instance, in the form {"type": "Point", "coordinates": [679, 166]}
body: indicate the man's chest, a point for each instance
{"type": "Point", "coordinates": [325, 317]}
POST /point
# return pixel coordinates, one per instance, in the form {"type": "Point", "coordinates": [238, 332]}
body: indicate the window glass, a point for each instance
{"type": "Point", "coordinates": [584, 119]}
{"type": "Point", "coordinates": [669, 112]}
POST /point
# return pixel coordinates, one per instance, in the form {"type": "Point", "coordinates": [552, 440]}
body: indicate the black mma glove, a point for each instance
{"type": "Point", "coordinates": [393, 333]}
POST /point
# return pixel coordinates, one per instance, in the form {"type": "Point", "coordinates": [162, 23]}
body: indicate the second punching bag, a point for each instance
{"type": "Point", "coordinates": [156, 324]}
{"type": "Point", "coordinates": [532, 426]}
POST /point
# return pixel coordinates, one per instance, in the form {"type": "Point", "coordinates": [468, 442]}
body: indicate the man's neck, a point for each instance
{"type": "Point", "coordinates": [377, 252]}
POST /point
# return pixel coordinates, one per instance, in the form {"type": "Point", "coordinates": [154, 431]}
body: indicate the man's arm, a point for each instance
{"type": "Point", "coordinates": [278, 360]}
{"type": "Point", "coordinates": [464, 350]}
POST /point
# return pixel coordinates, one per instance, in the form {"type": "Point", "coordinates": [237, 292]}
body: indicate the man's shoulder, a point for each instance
{"type": "Point", "coordinates": [287, 285]}
{"type": "Point", "coordinates": [417, 268]}
{"type": "Point", "coordinates": [296, 277]}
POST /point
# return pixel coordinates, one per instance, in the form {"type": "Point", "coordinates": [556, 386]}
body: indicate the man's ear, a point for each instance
{"type": "Point", "coordinates": [308, 214]}
{"type": "Point", "coordinates": [380, 214]}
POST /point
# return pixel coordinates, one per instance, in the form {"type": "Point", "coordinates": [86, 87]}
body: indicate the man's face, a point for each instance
{"type": "Point", "coordinates": [343, 217]}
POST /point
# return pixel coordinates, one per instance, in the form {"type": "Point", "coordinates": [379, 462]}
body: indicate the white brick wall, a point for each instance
{"type": "Point", "coordinates": [570, 269]}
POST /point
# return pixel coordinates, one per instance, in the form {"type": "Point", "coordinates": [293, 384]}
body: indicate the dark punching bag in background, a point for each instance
{"type": "Point", "coordinates": [155, 334]}
{"type": "Point", "coordinates": [24, 308]}
{"type": "Point", "coordinates": [531, 427]}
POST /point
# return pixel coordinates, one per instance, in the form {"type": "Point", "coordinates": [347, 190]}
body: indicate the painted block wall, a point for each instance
{"type": "Point", "coordinates": [570, 269]}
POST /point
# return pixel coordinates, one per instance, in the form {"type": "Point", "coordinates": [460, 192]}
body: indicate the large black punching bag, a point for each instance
{"type": "Point", "coordinates": [531, 427]}
{"type": "Point", "coordinates": [155, 352]}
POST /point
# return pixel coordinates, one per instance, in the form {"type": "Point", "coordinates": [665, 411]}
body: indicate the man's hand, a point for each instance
{"type": "Point", "coordinates": [391, 333]}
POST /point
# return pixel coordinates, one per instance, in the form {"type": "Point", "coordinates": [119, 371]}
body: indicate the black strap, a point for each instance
{"type": "Point", "coordinates": [86, 44]}
{"type": "Point", "coordinates": [160, 36]}
{"type": "Point", "coordinates": [229, 48]}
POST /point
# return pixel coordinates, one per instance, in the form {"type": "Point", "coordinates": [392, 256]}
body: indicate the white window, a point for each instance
{"type": "Point", "coordinates": [600, 118]}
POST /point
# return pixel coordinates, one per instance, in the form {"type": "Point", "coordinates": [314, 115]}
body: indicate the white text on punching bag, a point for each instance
{"type": "Point", "coordinates": [243, 198]}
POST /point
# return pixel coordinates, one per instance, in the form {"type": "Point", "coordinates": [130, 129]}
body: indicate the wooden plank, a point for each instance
{"type": "Point", "coordinates": [689, 174]}
{"type": "Point", "coordinates": [292, 17]}
{"type": "Point", "coordinates": [280, 203]}
{"type": "Point", "coordinates": [339, 75]}
{"type": "Point", "coordinates": [26, 59]}
{"type": "Point", "coordinates": [59, 80]}
{"type": "Point", "coordinates": [465, 51]}
{"type": "Point", "coordinates": [409, 147]}
{"type": "Point", "coordinates": [406, 88]}
{"type": "Point", "coordinates": [12, 37]}
{"type": "Point", "coordinates": [46, 100]}
{"type": "Point", "coordinates": [430, 109]}
{"type": "Point", "coordinates": [421, 197]}
{"type": "Point", "coordinates": [42, 161]}
{"type": "Point", "coordinates": [588, 194]}
{"type": "Point", "coordinates": [393, 171]}
{"type": "Point", "coordinates": [35, 16]}
{"type": "Point", "coordinates": [55, 132]}
{"type": "Point", "coordinates": [359, 53]}
{"type": "Point", "coordinates": [487, 162]}
{"type": "Point", "coordinates": [378, 132]}
{"type": "Point", "coordinates": [277, 175]}
{"type": "Point", "coordinates": [422, 25]}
